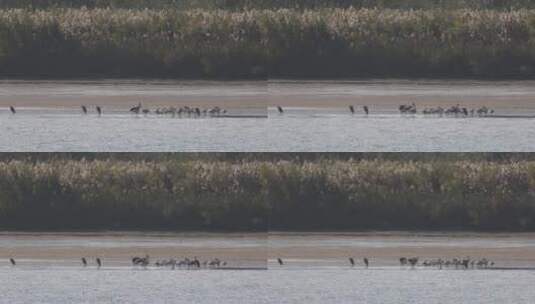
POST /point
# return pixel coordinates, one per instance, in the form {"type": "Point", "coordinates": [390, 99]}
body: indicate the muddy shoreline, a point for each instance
{"type": "Point", "coordinates": [255, 249]}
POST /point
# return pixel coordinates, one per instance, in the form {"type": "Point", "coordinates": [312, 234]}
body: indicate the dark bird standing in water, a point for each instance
{"type": "Point", "coordinates": [84, 109]}
{"type": "Point", "coordinates": [84, 261]}
{"type": "Point", "coordinates": [12, 109]}
{"type": "Point", "coordinates": [352, 109]}
{"type": "Point", "coordinates": [366, 110]}
{"type": "Point", "coordinates": [280, 261]}
{"type": "Point", "coordinates": [366, 262]}
{"type": "Point", "coordinates": [413, 261]}
{"type": "Point", "coordinates": [99, 262]}
{"type": "Point", "coordinates": [141, 261]}
{"type": "Point", "coordinates": [352, 261]}
{"type": "Point", "coordinates": [12, 261]}
{"type": "Point", "coordinates": [99, 110]}
{"type": "Point", "coordinates": [281, 111]}
{"type": "Point", "coordinates": [136, 109]}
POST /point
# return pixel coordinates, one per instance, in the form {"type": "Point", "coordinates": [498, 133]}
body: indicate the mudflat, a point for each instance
{"type": "Point", "coordinates": [380, 95]}
{"type": "Point", "coordinates": [385, 248]}
{"type": "Point", "coordinates": [383, 95]}
{"type": "Point", "coordinates": [118, 248]}
{"type": "Point", "coordinates": [255, 249]}
{"type": "Point", "coordinates": [125, 93]}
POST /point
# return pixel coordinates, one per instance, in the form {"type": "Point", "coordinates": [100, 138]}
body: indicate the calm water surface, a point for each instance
{"type": "Point", "coordinates": [392, 133]}
{"type": "Point", "coordinates": [321, 285]}
{"type": "Point", "coordinates": [327, 133]}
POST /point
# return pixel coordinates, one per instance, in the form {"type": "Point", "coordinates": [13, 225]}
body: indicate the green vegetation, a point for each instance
{"type": "Point", "coordinates": [261, 191]}
{"type": "Point", "coordinates": [256, 43]}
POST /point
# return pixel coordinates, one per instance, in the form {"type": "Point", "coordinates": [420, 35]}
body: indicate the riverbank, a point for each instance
{"type": "Point", "coordinates": [383, 249]}
{"type": "Point", "coordinates": [119, 95]}
{"type": "Point", "coordinates": [384, 96]}
{"type": "Point", "coordinates": [297, 250]}
{"type": "Point", "coordinates": [116, 249]}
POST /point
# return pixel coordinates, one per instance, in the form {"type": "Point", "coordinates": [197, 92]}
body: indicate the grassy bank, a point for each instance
{"type": "Point", "coordinates": [257, 43]}
{"type": "Point", "coordinates": [314, 194]}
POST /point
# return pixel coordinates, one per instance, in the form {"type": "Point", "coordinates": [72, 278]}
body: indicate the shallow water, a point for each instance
{"type": "Point", "coordinates": [336, 133]}
{"type": "Point", "coordinates": [321, 285]}
{"type": "Point", "coordinates": [124, 133]}
{"type": "Point", "coordinates": [393, 133]}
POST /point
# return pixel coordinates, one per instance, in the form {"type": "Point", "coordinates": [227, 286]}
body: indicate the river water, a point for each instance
{"type": "Point", "coordinates": [274, 286]}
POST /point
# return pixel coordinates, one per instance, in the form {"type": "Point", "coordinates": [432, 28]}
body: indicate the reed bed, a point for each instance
{"type": "Point", "coordinates": [260, 43]}
{"type": "Point", "coordinates": [268, 4]}
{"type": "Point", "coordinates": [267, 194]}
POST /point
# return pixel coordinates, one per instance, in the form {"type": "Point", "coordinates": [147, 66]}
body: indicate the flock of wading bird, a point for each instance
{"type": "Point", "coordinates": [185, 111]}
{"type": "Point", "coordinates": [194, 263]}
{"type": "Point", "coordinates": [404, 109]}
{"type": "Point", "coordinates": [411, 109]}
{"type": "Point", "coordinates": [185, 263]}
{"type": "Point", "coordinates": [461, 263]}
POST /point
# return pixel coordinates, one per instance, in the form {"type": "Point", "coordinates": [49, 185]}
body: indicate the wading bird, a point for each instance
{"type": "Point", "coordinates": [366, 262]}
{"type": "Point", "coordinates": [352, 109]}
{"type": "Point", "coordinates": [99, 262]}
{"type": "Point", "coordinates": [281, 111]}
{"type": "Point", "coordinates": [366, 110]}
{"type": "Point", "coordinates": [466, 262]}
{"type": "Point", "coordinates": [99, 110]}
{"type": "Point", "coordinates": [84, 109]}
{"type": "Point", "coordinates": [195, 263]}
{"type": "Point", "coordinates": [413, 261]}
{"type": "Point", "coordinates": [136, 109]}
{"type": "Point", "coordinates": [12, 261]}
{"type": "Point", "coordinates": [141, 261]}
{"type": "Point", "coordinates": [84, 262]}
{"type": "Point", "coordinates": [12, 109]}
{"type": "Point", "coordinates": [352, 261]}
{"type": "Point", "coordinates": [280, 261]}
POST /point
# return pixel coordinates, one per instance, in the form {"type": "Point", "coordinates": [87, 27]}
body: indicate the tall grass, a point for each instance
{"type": "Point", "coordinates": [268, 4]}
{"type": "Point", "coordinates": [260, 43]}
{"type": "Point", "coordinates": [108, 194]}
{"type": "Point", "coordinates": [248, 194]}
{"type": "Point", "coordinates": [130, 43]}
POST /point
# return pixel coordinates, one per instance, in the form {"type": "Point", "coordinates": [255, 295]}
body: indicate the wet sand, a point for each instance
{"type": "Point", "coordinates": [380, 95]}
{"type": "Point", "coordinates": [123, 94]}
{"type": "Point", "coordinates": [387, 95]}
{"type": "Point", "coordinates": [254, 249]}
{"type": "Point", "coordinates": [118, 248]}
{"type": "Point", "coordinates": [385, 249]}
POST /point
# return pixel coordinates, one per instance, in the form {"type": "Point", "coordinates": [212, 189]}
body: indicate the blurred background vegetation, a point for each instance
{"type": "Point", "coordinates": [270, 4]}
{"type": "Point", "coordinates": [246, 39]}
{"type": "Point", "coordinates": [257, 191]}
